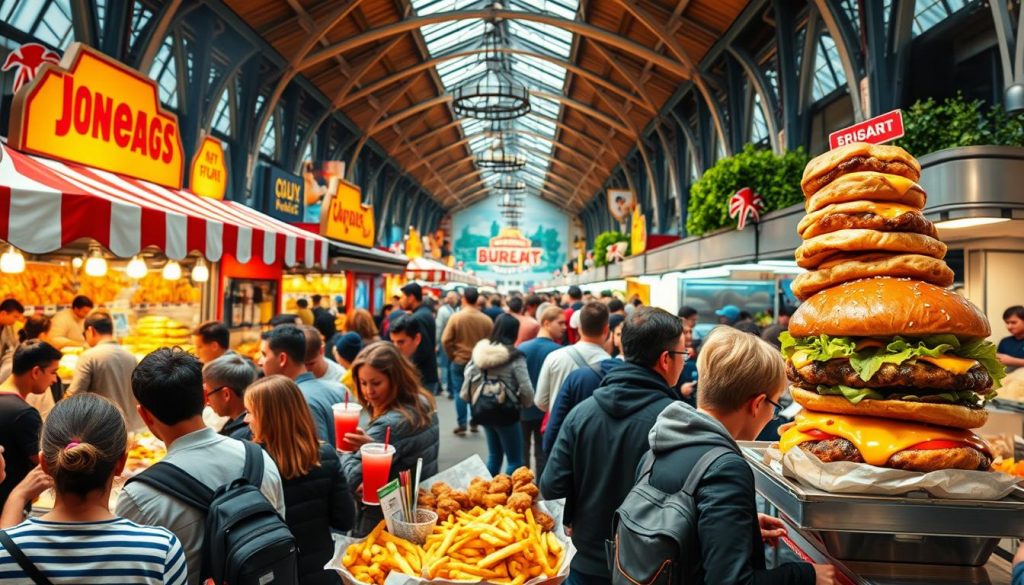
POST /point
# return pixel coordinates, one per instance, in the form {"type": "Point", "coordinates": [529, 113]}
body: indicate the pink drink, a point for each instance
{"type": "Point", "coordinates": [346, 420]}
{"type": "Point", "coordinates": [376, 467]}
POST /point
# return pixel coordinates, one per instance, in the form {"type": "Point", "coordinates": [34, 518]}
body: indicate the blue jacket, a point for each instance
{"type": "Point", "coordinates": [536, 351]}
{"type": "Point", "coordinates": [577, 387]}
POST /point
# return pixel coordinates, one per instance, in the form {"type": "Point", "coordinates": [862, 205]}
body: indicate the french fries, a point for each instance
{"type": "Point", "coordinates": [499, 545]}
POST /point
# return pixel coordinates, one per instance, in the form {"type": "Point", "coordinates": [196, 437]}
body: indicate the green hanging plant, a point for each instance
{"type": "Point", "coordinates": [930, 126]}
{"type": "Point", "coordinates": [602, 242]}
{"type": "Point", "coordinates": [775, 178]}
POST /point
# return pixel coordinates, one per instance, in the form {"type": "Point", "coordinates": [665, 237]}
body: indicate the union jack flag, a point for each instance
{"type": "Point", "coordinates": [745, 202]}
{"type": "Point", "coordinates": [27, 60]}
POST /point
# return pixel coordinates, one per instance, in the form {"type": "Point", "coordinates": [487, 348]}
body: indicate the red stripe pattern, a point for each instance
{"type": "Point", "coordinates": [47, 204]}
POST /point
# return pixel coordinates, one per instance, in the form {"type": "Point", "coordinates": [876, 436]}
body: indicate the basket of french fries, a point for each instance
{"type": "Point", "coordinates": [492, 532]}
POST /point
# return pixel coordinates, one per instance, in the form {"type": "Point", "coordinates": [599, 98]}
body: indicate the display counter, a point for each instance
{"type": "Point", "coordinates": [892, 540]}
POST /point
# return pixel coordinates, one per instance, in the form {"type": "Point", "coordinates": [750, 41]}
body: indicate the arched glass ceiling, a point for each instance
{"type": "Point", "coordinates": [537, 134]}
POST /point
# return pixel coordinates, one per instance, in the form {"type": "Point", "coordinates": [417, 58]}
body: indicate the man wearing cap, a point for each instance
{"type": "Point", "coordinates": [425, 357]}
{"type": "Point", "coordinates": [732, 316]}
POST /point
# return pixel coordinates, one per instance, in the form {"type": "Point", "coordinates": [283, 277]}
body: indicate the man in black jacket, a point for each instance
{"type": "Point", "coordinates": [742, 379]}
{"type": "Point", "coordinates": [425, 357]}
{"type": "Point", "coordinates": [594, 460]}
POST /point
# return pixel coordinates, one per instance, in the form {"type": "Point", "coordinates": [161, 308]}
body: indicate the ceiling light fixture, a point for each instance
{"type": "Point", "coordinates": [136, 268]}
{"type": "Point", "coordinates": [200, 272]}
{"type": "Point", "coordinates": [95, 264]}
{"type": "Point", "coordinates": [496, 94]}
{"type": "Point", "coordinates": [171, 271]}
{"type": "Point", "coordinates": [12, 261]}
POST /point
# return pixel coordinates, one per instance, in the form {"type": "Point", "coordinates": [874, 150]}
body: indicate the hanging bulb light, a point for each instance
{"type": "Point", "coordinates": [326, 280]}
{"type": "Point", "coordinates": [136, 268]}
{"type": "Point", "coordinates": [172, 270]}
{"type": "Point", "coordinates": [12, 262]}
{"type": "Point", "coordinates": [200, 273]}
{"type": "Point", "coordinates": [76, 262]}
{"type": "Point", "coordinates": [96, 264]}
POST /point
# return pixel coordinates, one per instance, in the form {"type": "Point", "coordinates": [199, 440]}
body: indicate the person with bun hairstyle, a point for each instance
{"type": "Point", "coordinates": [316, 493]}
{"type": "Point", "coordinates": [388, 386]}
{"type": "Point", "coordinates": [84, 446]}
{"type": "Point", "coordinates": [742, 380]}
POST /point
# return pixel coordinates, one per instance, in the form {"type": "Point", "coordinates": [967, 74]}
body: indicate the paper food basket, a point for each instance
{"type": "Point", "coordinates": [459, 476]}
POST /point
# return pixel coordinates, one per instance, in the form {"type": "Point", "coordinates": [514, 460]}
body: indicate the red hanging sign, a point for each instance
{"type": "Point", "coordinates": [877, 130]}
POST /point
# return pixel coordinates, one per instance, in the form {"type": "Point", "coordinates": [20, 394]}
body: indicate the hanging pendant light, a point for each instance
{"type": "Point", "coordinates": [12, 261]}
{"type": "Point", "coordinates": [497, 94]}
{"type": "Point", "coordinates": [502, 154]}
{"type": "Point", "coordinates": [136, 268]}
{"type": "Point", "coordinates": [510, 184]}
{"type": "Point", "coordinates": [200, 272]}
{"type": "Point", "coordinates": [95, 264]}
{"type": "Point", "coordinates": [171, 271]}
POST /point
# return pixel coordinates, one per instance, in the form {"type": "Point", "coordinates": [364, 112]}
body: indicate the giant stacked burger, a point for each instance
{"type": "Point", "coordinates": [892, 369]}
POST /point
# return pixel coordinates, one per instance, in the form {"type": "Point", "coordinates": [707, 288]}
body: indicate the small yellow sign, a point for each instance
{"type": "Point", "coordinates": [638, 233]}
{"type": "Point", "coordinates": [209, 175]}
{"type": "Point", "coordinates": [347, 218]}
{"type": "Point", "coordinates": [98, 112]}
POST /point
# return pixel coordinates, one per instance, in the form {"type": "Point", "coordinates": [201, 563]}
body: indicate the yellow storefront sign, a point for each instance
{"type": "Point", "coordinates": [98, 112]}
{"type": "Point", "coordinates": [209, 175]}
{"type": "Point", "coordinates": [347, 218]}
{"type": "Point", "coordinates": [638, 233]}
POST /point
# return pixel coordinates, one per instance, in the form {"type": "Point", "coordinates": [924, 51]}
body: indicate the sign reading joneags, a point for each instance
{"type": "Point", "coordinates": [346, 218]}
{"type": "Point", "coordinates": [877, 130]}
{"type": "Point", "coordinates": [509, 248]}
{"type": "Point", "coordinates": [98, 112]}
{"type": "Point", "coordinates": [209, 176]}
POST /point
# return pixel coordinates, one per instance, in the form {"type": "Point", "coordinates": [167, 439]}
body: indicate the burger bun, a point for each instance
{"type": "Point", "coordinates": [947, 415]}
{"type": "Point", "coordinates": [859, 156]}
{"type": "Point", "coordinates": [853, 243]}
{"type": "Point", "coordinates": [829, 274]}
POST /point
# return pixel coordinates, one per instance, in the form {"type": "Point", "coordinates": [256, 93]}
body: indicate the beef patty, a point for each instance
{"type": "Point", "coordinates": [923, 460]}
{"type": "Point", "coordinates": [923, 377]}
{"type": "Point", "coordinates": [861, 163]}
{"type": "Point", "coordinates": [913, 222]}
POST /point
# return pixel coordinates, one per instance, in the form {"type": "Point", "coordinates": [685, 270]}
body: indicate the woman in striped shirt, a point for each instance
{"type": "Point", "coordinates": [84, 445]}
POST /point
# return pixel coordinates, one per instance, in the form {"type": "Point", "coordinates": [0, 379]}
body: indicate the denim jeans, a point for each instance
{"type": "Point", "coordinates": [458, 375]}
{"type": "Point", "coordinates": [533, 437]}
{"type": "Point", "coordinates": [504, 442]}
{"type": "Point", "coordinates": [444, 364]}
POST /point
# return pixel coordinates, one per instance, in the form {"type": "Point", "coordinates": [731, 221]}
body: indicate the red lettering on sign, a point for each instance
{"type": "Point", "coordinates": [878, 130]}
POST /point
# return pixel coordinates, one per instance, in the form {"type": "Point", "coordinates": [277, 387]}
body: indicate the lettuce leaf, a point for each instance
{"type": "Point", "coordinates": [854, 395]}
{"type": "Point", "coordinates": [868, 361]}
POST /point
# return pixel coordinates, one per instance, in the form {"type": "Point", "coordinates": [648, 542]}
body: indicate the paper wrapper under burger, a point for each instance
{"type": "Point", "coordinates": [459, 477]}
{"type": "Point", "coordinates": [844, 477]}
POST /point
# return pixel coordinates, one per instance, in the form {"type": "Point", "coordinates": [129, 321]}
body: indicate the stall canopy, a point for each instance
{"type": "Point", "coordinates": [433, 271]}
{"type": "Point", "coordinates": [370, 260]}
{"type": "Point", "coordinates": [47, 204]}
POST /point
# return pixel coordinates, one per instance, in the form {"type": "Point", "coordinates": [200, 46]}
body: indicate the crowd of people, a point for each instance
{"type": "Point", "coordinates": [585, 388]}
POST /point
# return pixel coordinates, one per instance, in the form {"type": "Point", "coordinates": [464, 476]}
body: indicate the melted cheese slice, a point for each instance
{"type": "Point", "coordinates": [889, 210]}
{"type": "Point", "coordinates": [877, 439]}
{"type": "Point", "coordinates": [901, 184]}
{"type": "Point", "coordinates": [957, 365]}
{"type": "Point", "coordinates": [800, 359]}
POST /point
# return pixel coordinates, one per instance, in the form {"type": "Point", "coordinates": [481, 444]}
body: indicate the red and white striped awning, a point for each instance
{"type": "Point", "coordinates": [432, 271]}
{"type": "Point", "coordinates": [47, 204]}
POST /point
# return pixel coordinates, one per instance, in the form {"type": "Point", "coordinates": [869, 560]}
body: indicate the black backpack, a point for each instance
{"type": "Point", "coordinates": [247, 542]}
{"type": "Point", "coordinates": [655, 532]}
{"type": "Point", "coordinates": [492, 401]}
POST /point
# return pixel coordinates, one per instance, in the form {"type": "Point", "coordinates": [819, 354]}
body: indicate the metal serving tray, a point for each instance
{"type": "Point", "coordinates": [891, 529]}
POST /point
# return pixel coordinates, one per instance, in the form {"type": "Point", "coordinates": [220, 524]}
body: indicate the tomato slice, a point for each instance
{"type": "Point", "coordinates": [937, 444]}
{"type": "Point", "coordinates": [819, 435]}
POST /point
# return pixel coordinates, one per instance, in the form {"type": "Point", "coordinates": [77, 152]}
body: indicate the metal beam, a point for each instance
{"type": "Point", "coordinates": [381, 112]}
{"type": "Point", "coordinates": [759, 82]}
{"type": "Point", "coordinates": [344, 98]}
{"type": "Point", "coordinates": [580, 28]}
{"type": "Point", "coordinates": [519, 131]}
{"type": "Point", "coordinates": [153, 37]}
{"type": "Point", "coordinates": [847, 46]}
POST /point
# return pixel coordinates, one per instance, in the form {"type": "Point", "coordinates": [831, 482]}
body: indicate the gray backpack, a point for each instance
{"type": "Point", "coordinates": [655, 532]}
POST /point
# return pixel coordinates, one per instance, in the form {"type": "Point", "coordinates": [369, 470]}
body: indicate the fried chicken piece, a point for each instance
{"type": "Point", "coordinates": [440, 488]}
{"type": "Point", "coordinates": [521, 476]}
{"type": "Point", "coordinates": [501, 484]}
{"type": "Point", "coordinates": [426, 500]}
{"type": "Point", "coordinates": [546, 523]}
{"type": "Point", "coordinates": [493, 500]}
{"type": "Point", "coordinates": [447, 507]}
{"type": "Point", "coordinates": [519, 502]}
{"type": "Point", "coordinates": [477, 491]}
{"type": "Point", "coordinates": [529, 489]}
{"type": "Point", "coordinates": [461, 497]}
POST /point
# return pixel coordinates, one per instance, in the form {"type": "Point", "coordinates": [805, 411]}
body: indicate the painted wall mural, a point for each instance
{"type": "Point", "coordinates": [514, 256]}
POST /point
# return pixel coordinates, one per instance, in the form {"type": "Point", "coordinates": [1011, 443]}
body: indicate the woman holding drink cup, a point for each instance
{"type": "Point", "coordinates": [316, 492]}
{"type": "Point", "coordinates": [401, 411]}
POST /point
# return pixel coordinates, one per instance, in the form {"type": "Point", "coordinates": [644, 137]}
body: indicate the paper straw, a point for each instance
{"type": "Point", "coordinates": [387, 438]}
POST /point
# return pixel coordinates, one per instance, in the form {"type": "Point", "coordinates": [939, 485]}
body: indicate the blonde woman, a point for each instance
{"type": "Point", "coordinates": [316, 494]}
{"type": "Point", "coordinates": [388, 386]}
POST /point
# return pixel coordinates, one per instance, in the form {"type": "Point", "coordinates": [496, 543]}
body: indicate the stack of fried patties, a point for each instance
{"type": "Point", "coordinates": [891, 368]}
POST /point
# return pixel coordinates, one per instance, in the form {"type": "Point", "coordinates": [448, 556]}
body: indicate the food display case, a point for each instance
{"type": "Point", "coordinates": [880, 540]}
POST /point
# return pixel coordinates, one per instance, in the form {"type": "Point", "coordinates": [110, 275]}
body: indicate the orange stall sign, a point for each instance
{"type": "Point", "coordinates": [347, 219]}
{"type": "Point", "coordinates": [98, 112]}
{"type": "Point", "coordinates": [209, 174]}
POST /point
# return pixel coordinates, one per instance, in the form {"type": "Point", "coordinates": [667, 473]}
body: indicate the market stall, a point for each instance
{"type": "Point", "coordinates": [430, 271]}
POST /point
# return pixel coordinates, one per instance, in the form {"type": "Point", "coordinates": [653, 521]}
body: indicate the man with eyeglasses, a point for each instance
{"type": "Point", "coordinates": [224, 382]}
{"type": "Point", "coordinates": [601, 441]}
